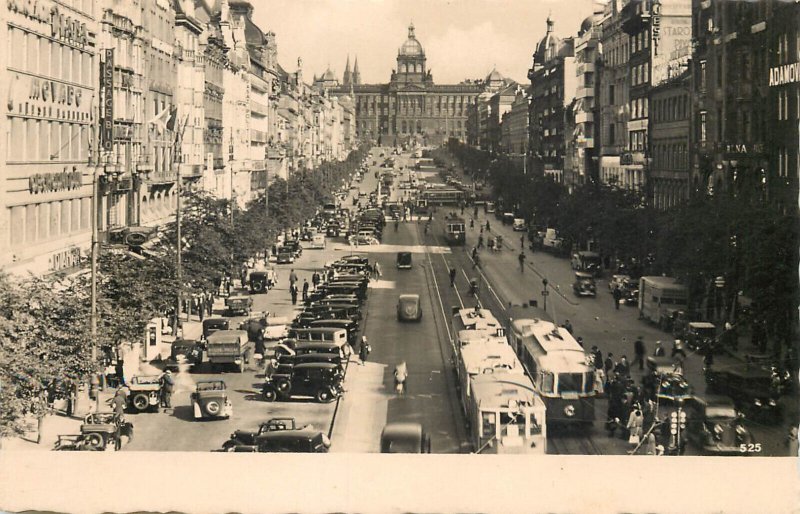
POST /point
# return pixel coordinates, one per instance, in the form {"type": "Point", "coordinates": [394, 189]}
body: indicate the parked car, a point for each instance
{"type": "Point", "coordinates": [145, 392]}
{"type": "Point", "coordinates": [285, 257]}
{"type": "Point", "coordinates": [248, 437]}
{"type": "Point", "coordinates": [262, 281]}
{"type": "Point", "coordinates": [701, 336]}
{"type": "Point", "coordinates": [321, 381]}
{"type": "Point", "coordinates": [303, 440]}
{"type": "Point", "coordinates": [752, 388]}
{"type": "Point", "coordinates": [584, 284]}
{"type": "Point", "coordinates": [590, 262]}
{"type": "Point", "coordinates": [405, 438]}
{"type": "Point", "coordinates": [519, 225]}
{"type": "Point", "coordinates": [716, 427]}
{"type": "Point", "coordinates": [363, 240]}
{"type": "Point", "coordinates": [239, 305]}
{"type": "Point", "coordinates": [184, 351]}
{"type": "Point", "coordinates": [211, 325]}
{"type": "Point", "coordinates": [408, 308]}
{"type": "Point", "coordinates": [210, 400]}
{"type": "Point", "coordinates": [99, 430]}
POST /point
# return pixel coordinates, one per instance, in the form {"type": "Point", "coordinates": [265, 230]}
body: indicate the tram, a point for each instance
{"type": "Point", "coordinates": [506, 415]}
{"type": "Point", "coordinates": [483, 358]}
{"type": "Point", "coordinates": [476, 324]}
{"type": "Point", "coordinates": [454, 231]}
{"type": "Point", "coordinates": [443, 196]}
{"type": "Point", "coordinates": [558, 367]}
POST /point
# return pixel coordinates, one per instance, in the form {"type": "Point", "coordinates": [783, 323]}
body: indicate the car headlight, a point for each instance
{"type": "Point", "coordinates": [569, 411]}
{"type": "Point", "coordinates": [772, 402]}
{"type": "Point", "coordinates": [673, 431]}
{"type": "Point", "coordinates": [741, 431]}
{"type": "Point", "coordinates": [757, 402]}
{"type": "Point", "coordinates": [718, 429]}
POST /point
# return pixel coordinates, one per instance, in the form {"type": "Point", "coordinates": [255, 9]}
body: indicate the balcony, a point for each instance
{"type": "Point", "coordinates": [258, 136]}
{"type": "Point", "coordinates": [259, 108]}
{"type": "Point", "coordinates": [584, 117]}
{"type": "Point", "coordinates": [584, 92]}
{"type": "Point", "coordinates": [587, 67]}
{"type": "Point", "coordinates": [163, 177]}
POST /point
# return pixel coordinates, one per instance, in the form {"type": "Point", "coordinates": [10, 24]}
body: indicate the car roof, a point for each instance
{"type": "Point", "coordinates": [403, 430]}
{"type": "Point", "coordinates": [408, 297]}
{"type": "Point", "coordinates": [316, 365]}
{"type": "Point", "coordinates": [702, 324]}
{"type": "Point", "coordinates": [290, 434]}
{"type": "Point", "coordinates": [583, 274]}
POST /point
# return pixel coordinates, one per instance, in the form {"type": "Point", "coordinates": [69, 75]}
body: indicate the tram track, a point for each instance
{"type": "Point", "coordinates": [572, 444]}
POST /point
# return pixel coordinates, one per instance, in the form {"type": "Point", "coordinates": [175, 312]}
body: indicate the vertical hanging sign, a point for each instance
{"type": "Point", "coordinates": [107, 100]}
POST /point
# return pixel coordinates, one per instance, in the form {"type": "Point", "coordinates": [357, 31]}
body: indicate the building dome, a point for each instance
{"type": "Point", "coordinates": [550, 40]}
{"type": "Point", "coordinates": [494, 76]}
{"type": "Point", "coordinates": [411, 47]}
{"type": "Point", "coordinates": [328, 75]}
{"type": "Point", "coordinates": [587, 25]}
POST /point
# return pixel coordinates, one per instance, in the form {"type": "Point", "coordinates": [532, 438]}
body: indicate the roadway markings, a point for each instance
{"type": "Point", "coordinates": [381, 284]}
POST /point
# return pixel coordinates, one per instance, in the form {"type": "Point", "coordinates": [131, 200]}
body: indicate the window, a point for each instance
{"type": "Point", "coordinates": [611, 94]}
{"type": "Point", "coordinates": [719, 71]}
{"type": "Point", "coordinates": [783, 162]}
{"type": "Point", "coordinates": [44, 56]}
{"type": "Point", "coordinates": [702, 79]}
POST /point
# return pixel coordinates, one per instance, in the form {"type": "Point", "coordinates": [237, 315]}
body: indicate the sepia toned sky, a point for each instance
{"type": "Point", "coordinates": [461, 38]}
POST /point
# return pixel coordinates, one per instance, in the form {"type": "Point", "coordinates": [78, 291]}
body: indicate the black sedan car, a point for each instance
{"type": "Point", "coordinates": [717, 428]}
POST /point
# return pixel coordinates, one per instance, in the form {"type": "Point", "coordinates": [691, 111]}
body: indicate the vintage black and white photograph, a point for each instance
{"type": "Point", "coordinates": [487, 227]}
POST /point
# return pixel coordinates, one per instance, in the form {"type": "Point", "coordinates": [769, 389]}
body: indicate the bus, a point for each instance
{"type": "Point", "coordinates": [443, 196]}
{"type": "Point", "coordinates": [506, 415]}
{"type": "Point", "coordinates": [454, 231]}
{"type": "Point", "coordinates": [559, 368]}
{"type": "Point", "coordinates": [659, 298]}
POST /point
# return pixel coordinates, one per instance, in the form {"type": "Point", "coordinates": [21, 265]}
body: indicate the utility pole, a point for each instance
{"type": "Point", "coordinates": [179, 188]}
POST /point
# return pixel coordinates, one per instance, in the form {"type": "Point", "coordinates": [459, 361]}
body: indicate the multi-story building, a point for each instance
{"type": "Point", "coordinates": [746, 98]}
{"type": "Point", "coordinates": [189, 92]}
{"type": "Point", "coordinates": [215, 61]}
{"type": "Point", "coordinates": [552, 77]}
{"type": "Point", "coordinates": [499, 104]}
{"type": "Point", "coordinates": [515, 126]}
{"type": "Point", "coordinates": [582, 139]}
{"type": "Point", "coordinates": [669, 132]}
{"type": "Point", "coordinates": [50, 69]}
{"type": "Point", "coordinates": [410, 107]}
{"type": "Point", "coordinates": [613, 102]}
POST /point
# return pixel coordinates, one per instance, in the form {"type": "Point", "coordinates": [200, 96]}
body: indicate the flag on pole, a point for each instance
{"type": "Point", "coordinates": [165, 120]}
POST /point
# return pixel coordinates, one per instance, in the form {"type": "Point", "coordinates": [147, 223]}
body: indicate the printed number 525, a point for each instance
{"type": "Point", "coordinates": [750, 448]}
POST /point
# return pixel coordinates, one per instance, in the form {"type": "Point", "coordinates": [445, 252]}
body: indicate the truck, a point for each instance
{"type": "Point", "coordinates": [551, 241]}
{"type": "Point", "coordinates": [660, 298]}
{"type": "Point", "coordinates": [229, 347]}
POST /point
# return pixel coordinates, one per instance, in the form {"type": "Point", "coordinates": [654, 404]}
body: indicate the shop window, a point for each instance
{"type": "Point", "coordinates": [43, 222]}
{"type": "Point", "coordinates": [65, 216]}
{"type": "Point", "coordinates": [17, 225]}
{"type": "Point", "coordinates": [75, 215]}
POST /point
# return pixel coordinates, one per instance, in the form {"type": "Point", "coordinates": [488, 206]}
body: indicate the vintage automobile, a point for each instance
{"type": "Point", "coordinates": [184, 352]}
{"type": "Point", "coordinates": [349, 325]}
{"type": "Point", "coordinates": [403, 260]}
{"type": "Point", "coordinates": [262, 281]}
{"type": "Point", "coordinates": [239, 305]}
{"type": "Point", "coordinates": [211, 325]}
{"type": "Point", "coordinates": [229, 347]}
{"type": "Point", "coordinates": [716, 428]}
{"type": "Point", "coordinates": [303, 358]}
{"type": "Point", "coordinates": [616, 281]}
{"type": "Point", "coordinates": [248, 437]}
{"type": "Point", "coordinates": [145, 392]}
{"type": "Point", "coordinates": [294, 246]}
{"type": "Point", "coordinates": [584, 284]}
{"type": "Point", "coordinates": [701, 336]}
{"type": "Point", "coordinates": [409, 308]}
{"type": "Point", "coordinates": [753, 389]}
{"type": "Point", "coordinates": [781, 378]}
{"type": "Point", "coordinates": [405, 438]}
{"type": "Point", "coordinates": [333, 229]}
{"type": "Point", "coordinates": [302, 440]}
{"type": "Point", "coordinates": [285, 257]}
{"type": "Point", "coordinates": [321, 381]}
{"type": "Point", "coordinates": [99, 430]}
{"type": "Point", "coordinates": [590, 262]}
{"type": "Point", "coordinates": [210, 400]}
{"type": "Point", "coordinates": [363, 239]}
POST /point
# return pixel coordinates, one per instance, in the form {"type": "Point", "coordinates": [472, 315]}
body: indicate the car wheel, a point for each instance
{"type": "Point", "coordinates": [325, 395]}
{"type": "Point", "coordinates": [270, 395]}
{"type": "Point", "coordinates": [213, 407]}
{"type": "Point", "coordinates": [95, 441]}
{"type": "Point", "coordinates": [141, 402]}
{"type": "Point", "coordinates": [283, 386]}
{"type": "Point", "coordinates": [258, 287]}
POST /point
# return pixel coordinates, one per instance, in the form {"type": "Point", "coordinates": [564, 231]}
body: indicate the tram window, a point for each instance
{"type": "Point", "coordinates": [547, 382]}
{"type": "Point", "coordinates": [488, 424]}
{"type": "Point", "coordinates": [570, 382]}
{"type": "Point", "coordinates": [589, 382]}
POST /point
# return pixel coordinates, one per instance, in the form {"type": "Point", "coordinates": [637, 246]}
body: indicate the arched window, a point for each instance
{"type": "Point", "coordinates": [402, 68]}
{"type": "Point", "coordinates": [419, 68]}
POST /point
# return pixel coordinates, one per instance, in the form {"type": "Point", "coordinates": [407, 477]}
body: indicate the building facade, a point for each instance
{"type": "Point", "coordinates": [670, 130]}
{"type": "Point", "coordinates": [50, 80]}
{"type": "Point", "coordinates": [584, 159]}
{"type": "Point", "coordinates": [411, 107]}
{"type": "Point", "coordinates": [552, 77]}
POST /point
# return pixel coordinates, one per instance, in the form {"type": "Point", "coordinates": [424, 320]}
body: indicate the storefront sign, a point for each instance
{"type": "Point", "coordinates": [62, 27]}
{"type": "Point", "coordinates": [107, 100]}
{"type": "Point", "coordinates": [785, 74]}
{"type": "Point", "coordinates": [34, 96]}
{"type": "Point", "coordinates": [53, 182]}
{"type": "Point", "coordinates": [671, 35]}
{"type": "Point", "coordinates": [69, 258]}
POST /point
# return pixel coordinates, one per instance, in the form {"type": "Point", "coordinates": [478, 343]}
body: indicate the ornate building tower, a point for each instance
{"type": "Point", "coordinates": [356, 78]}
{"type": "Point", "coordinates": [411, 59]}
{"type": "Point", "coordinates": [347, 78]}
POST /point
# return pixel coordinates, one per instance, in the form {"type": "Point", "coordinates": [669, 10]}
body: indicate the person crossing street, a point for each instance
{"type": "Point", "coordinates": [305, 289]}
{"type": "Point", "coordinates": [521, 259]}
{"type": "Point", "coordinates": [452, 277]}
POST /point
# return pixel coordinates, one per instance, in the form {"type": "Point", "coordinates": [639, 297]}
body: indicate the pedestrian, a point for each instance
{"type": "Point", "coordinates": [210, 303]}
{"type": "Point", "coordinates": [481, 230]}
{"type": "Point", "coordinates": [293, 293]}
{"type": "Point", "coordinates": [243, 275]}
{"type": "Point", "coordinates": [400, 376]}
{"type": "Point", "coordinates": [650, 444]}
{"type": "Point", "coordinates": [522, 241]}
{"type": "Point", "coordinates": [377, 269]}
{"type": "Point", "coordinates": [608, 366]}
{"type": "Point", "coordinates": [617, 295]}
{"type": "Point", "coordinates": [119, 370]}
{"type": "Point", "coordinates": [364, 350]}
{"type": "Point", "coordinates": [597, 358]}
{"type": "Point", "coordinates": [292, 278]}
{"type": "Point", "coordinates": [623, 368]}
{"type": "Point", "coordinates": [791, 443]}
{"type": "Point", "coordinates": [659, 350]}
{"type": "Point", "coordinates": [167, 387]}
{"type": "Point", "coordinates": [567, 325]}
{"type": "Point", "coordinates": [452, 277]}
{"type": "Point", "coordinates": [677, 349]}
{"type": "Point", "coordinates": [118, 403]}
{"type": "Point", "coordinates": [634, 426]}
{"type": "Point", "coordinates": [315, 280]}
{"type": "Point", "coordinates": [639, 351]}
{"type": "Point", "coordinates": [487, 226]}
{"type": "Point", "coordinates": [471, 223]}
{"type": "Point", "coordinates": [521, 259]}
{"type": "Point", "coordinates": [305, 289]}
{"type": "Point", "coordinates": [200, 304]}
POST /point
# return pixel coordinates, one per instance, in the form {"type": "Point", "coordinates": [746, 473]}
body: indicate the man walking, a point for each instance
{"type": "Point", "coordinates": [452, 277]}
{"type": "Point", "coordinates": [292, 278]}
{"type": "Point", "coordinates": [293, 293]}
{"type": "Point", "coordinates": [315, 280]}
{"type": "Point", "coordinates": [521, 262]}
{"type": "Point", "coordinates": [639, 351]}
{"type": "Point", "coordinates": [377, 269]}
{"type": "Point", "coordinates": [364, 350]}
{"type": "Point", "coordinates": [617, 295]}
{"type": "Point", "coordinates": [305, 289]}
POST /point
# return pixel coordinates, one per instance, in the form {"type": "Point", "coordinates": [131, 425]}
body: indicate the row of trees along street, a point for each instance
{"type": "Point", "coordinates": [738, 235]}
{"type": "Point", "coordinates": [45, 337]}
